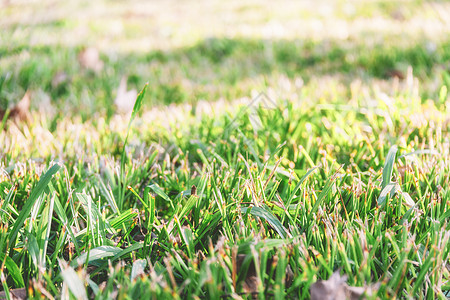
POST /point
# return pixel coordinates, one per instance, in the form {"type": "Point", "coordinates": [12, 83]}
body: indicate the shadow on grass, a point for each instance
{"type": "Point", "coordinates": [213, 68]}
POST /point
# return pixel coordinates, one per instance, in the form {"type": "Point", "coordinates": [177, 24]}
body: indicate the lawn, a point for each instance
{"type": "Point", "coordinates": [293, 150]}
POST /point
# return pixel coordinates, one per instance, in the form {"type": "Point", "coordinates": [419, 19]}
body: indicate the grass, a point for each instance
{"type": "Point", "coordinates": [318, 161]}
{"type": "Point", "coordinates": [218, 68]}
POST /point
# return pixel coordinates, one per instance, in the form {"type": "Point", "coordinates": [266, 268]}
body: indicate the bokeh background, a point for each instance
{"type": "Point", "coordinates": [72, 55]}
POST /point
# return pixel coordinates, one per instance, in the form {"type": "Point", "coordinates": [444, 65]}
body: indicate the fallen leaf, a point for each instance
{"type": "Point", "coordinates": [392, 73]}
{"type": "Point", "coordinates": [125, 99]}
{"type": "Point", "coordinates": [355, 292]}
{"type": "Point", "coordinates": [289, 276]}
{"type": "Point", "coordinates": [15, 294]}
{"type": "Point", "coordinates": [336, 288]}
{"type": "Point", "coordinates": [250, 285]}
{"type": "Point", "coordinates": [21, 111]}
{"type": "Point", "coordinates": [89, 58]}
{"type": "Point", "coordinates": [332, 289]}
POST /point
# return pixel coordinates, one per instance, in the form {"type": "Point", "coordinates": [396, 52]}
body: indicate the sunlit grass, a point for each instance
{"type": "Point", "coordinates": [40, 48]}
{"type": "Point", "coordinates": [292, 183]}
{"type": "Point", "coordinates": [254, 164]}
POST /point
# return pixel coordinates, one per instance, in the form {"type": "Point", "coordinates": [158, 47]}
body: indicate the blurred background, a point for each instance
{"type": "Point", "coordinates": [91, 57]}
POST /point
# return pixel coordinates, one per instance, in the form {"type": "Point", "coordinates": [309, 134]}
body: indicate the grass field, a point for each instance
{"type": "Point", "coordinates": [273, 146]}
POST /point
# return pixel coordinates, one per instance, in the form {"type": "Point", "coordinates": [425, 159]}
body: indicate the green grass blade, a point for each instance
{"type": "Point", "coordinates": [161, 193]}
{"type": "Point", "coordinates": [5, 286]}
{"type": "Point", "coordinates": [63, 218]}
{"type": "Point", "coordinates": [45, 225]}
{"type": "Point", "coordinates": [109, 196]}
{"type": "Point", "coordinates": [33, 250]}
{"type": "Point", "coordinates": [389, 189]}
{"type": "Point", "coordinates": [125, 219]}
{"type": "Point", "coordinates": [188, 206]}
{"type": "Point", "coordinates": [150, 202]}
{"type": "Point", "coordinates": [269, 217]}
{"type": "Point", "coordinates": [14, 272]}
{"type": "Point", "coordinates": [326, 190]}
{"type": "Point", "coordinates": [128, 250]}
{"type": "Point", "coordinates": [299, 184]}
{"type": "Point", "coordinates": [389, 166]}
{"type": "Point", "coordinates": [96, 253]}
{"type": "Point", "coordinates": [137, 106]}
{"type": "Point", "coordinates": [26, 209]}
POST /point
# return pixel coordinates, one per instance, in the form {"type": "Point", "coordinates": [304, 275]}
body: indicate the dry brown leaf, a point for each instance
{"type": "Point", "coordinates": [250, 285]}
{"type": "Point", "coordinates": [332, 289]}
{"type": "Point", "coordinates": [89, 58]}
{"type": "Point", "coordinates": [289, 276]}
{"type": "Point", "coordinates": [21, 111]}
{"type": "Point", "coordinates": [125, 99]}
{"type": "Point", "coordinates": [336, 288]}
{"type": "Point", "coordinates": [16, 294]}
{"type": "Point", "coordinates": [395, 73]}
{"type": "Point", "coordinates": [355, 292]}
